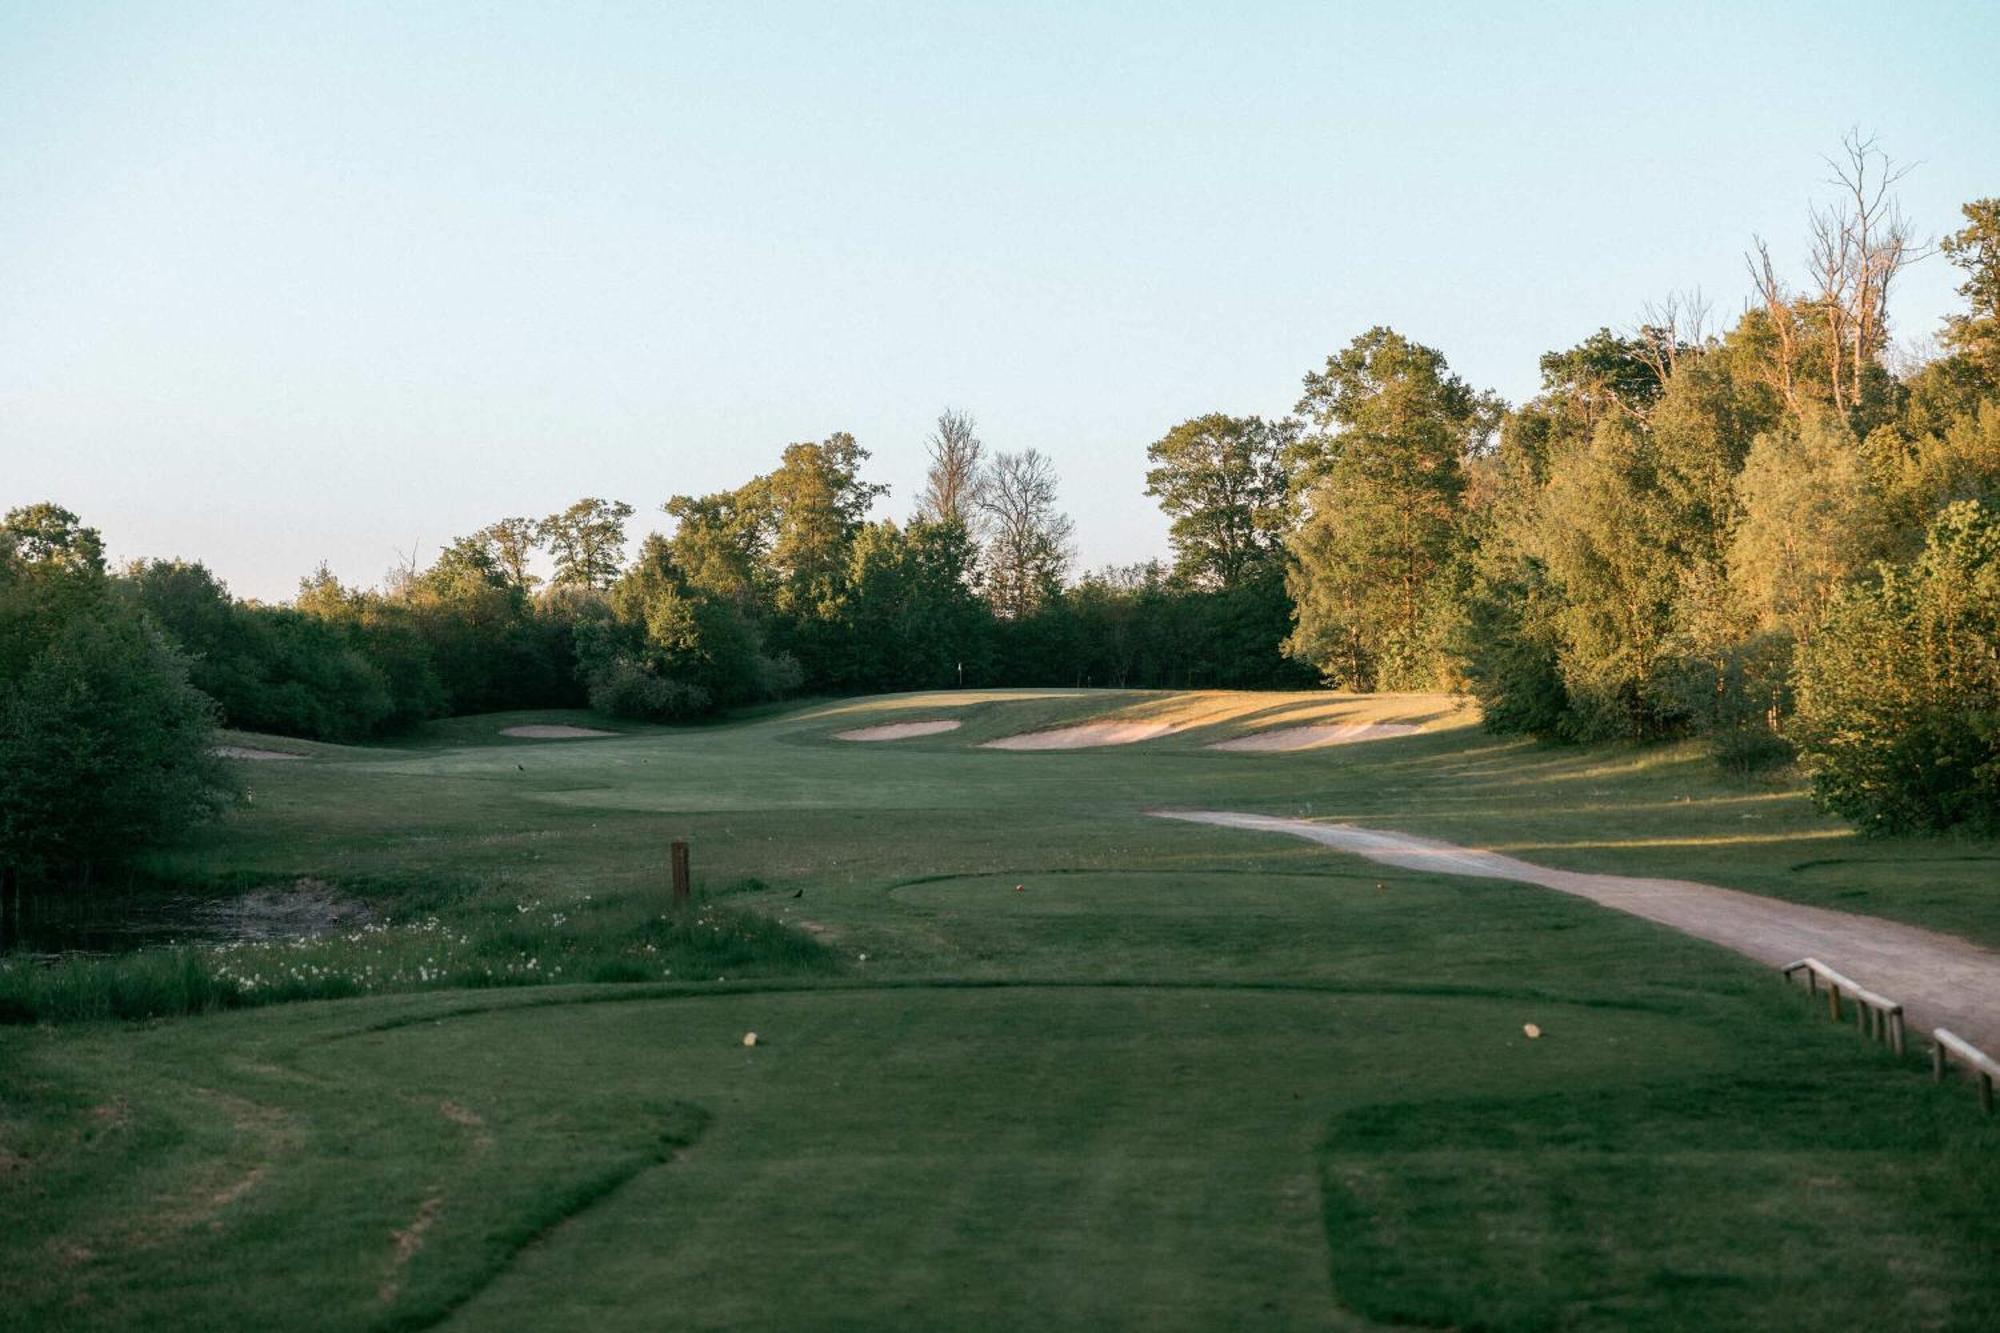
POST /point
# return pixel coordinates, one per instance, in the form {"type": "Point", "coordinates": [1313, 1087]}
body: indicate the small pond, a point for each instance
{"type": "Point", "coordinates": [122, 919]}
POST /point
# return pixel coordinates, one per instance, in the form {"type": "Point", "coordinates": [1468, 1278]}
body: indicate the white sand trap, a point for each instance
{"type": "Point", "coordinates": [251, 752]}
{"type": "Point", "coordinates": [896, 731]}
{"type": "Point", "coordinates": [554, 733]}
{"type": "Point", "coordinates": [1086, 735]}
{"type": "Point", "coordinates": [1313, 737]}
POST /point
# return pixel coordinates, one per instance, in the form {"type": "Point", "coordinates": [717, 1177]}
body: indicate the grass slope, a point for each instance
{"type": "Point", "coordinates": [1179, 1077]}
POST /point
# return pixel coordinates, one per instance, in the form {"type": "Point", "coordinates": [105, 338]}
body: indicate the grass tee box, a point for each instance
{"type": "Point", "coordinates": [1026, 1057]}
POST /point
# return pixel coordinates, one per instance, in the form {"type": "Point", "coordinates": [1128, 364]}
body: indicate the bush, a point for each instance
{"type": "Point", "coordinates": [104, 747]}
{"type": "Point", "coordinates": [1898, 717]}
{"type": "Point", "coordinates": [625, 688]}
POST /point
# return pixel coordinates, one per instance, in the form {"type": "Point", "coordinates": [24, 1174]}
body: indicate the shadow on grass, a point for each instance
{"type": "Point", "coordinates": [1720, 1203]}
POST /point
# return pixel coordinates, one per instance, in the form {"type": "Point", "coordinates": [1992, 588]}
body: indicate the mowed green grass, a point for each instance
{"type": "Point", "coordinates": [1063, 1064]}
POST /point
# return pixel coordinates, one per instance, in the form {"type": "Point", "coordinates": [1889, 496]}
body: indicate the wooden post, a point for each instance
{"type": "Point", "coordinates": [683, 889]}
{"type": "Point", "coordinates": [1937, 1062]}
{"type": "Point", "coordinates": [1833, 1002]}
{"type": "Point", "coordinates": [1896, 1034]}
{"type": "Point", "coordinates": [1986, 1092]}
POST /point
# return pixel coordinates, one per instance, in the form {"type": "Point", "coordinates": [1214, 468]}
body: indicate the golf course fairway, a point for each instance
{"type": "Point", "coordinates": [1027, 1056]}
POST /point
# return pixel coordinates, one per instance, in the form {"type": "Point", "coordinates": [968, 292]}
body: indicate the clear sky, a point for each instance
{"type": "Point", "coordinates": [290, 282]}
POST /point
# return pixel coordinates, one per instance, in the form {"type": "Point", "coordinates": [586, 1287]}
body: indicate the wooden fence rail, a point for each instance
{"type": "Point", "coordinates": [1976, 1062]}
{"type": "Point", "coordinates": [1875, 1016]}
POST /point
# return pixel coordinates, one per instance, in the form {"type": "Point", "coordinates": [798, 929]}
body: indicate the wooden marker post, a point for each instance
{"type": "Point", "coordinates": [683, 888]}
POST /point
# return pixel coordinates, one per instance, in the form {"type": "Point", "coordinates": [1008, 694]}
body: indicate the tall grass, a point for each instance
{"type": "Point", "coordinates": [530, 945]}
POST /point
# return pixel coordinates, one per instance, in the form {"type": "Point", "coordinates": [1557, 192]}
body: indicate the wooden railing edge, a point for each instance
{"type": "Point", "coordinates": [1876, 1015]}
{"type": "Point", "coordinates": [1976, 1061]}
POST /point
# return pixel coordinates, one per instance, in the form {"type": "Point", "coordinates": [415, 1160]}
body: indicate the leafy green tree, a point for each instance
{"type": "Point", "coordinates": [669, 649]}
{"type": "Point", "coordinates": [1607, 533]}
{"type": "Point", "coordinates": [486, 646]}
{"type": "Point", "coordinates": [818, 503]}
{"type": "Point", "coordinates": [382, 631]}
{"type": "Point", "coordinates": [1898, 712]}
{"type": "Point", "coordinates": [1508, 635]}
{"type": "Point", "coordinates": [1223, 481]}
{"type": "Point", "coordinates": [1975, 333]}
{"type": "Point", "coordinates": [1913, 478]}
{"type": "Point", "coordinates": [1376, 555]}
{"type": "Point", "coordinates": [720, 542]}
{"type": "Point", "coordinates": [1803, 501]}
{"type": "Point", "coordinates": [587, 540]}
{"type": "Point", "coordinates": [913, 619]}
{"type": "Point", "coordinates": [48, 535]}
{"type": "Point", "coordinates": [512, 543]}
{"type": "Point", "coordinates": [104, 746]}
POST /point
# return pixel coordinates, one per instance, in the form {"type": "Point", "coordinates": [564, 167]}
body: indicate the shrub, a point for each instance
{"type": "Point", "coordinates": [104, 747]}
{"type": "Point", "coordinates": [1898, 717]}
{"type": "Point", "coordinates": [625, 688]}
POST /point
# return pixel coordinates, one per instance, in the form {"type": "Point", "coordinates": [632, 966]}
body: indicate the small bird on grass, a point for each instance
{"type": "Point", "coordinates": [800, 894]}
{"type": "Point", "coordinates": [522, 767]}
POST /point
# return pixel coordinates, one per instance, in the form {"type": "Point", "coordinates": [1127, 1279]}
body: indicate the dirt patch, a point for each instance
{"type": "Point", "coordinates": [307, 907]}
{"type": "Point", "coordinates": [231, 1193]}
{"type": "Point", "coordinates": [466, 1118]}
{"type": "Point", "coordinates": [1085, 735]}
{"type": "Point", "coordinates": [252, 753]}
{"type": "Point", "coordinates": [114, 1114]}
{"type": "Point", "coordinates": [1940, 980]}
{"type": "Point", "coordinates": [1313, 737]}
{"type": "Point", "coordinates": [896, 731]}
{"type": "Point", "coordinates": [552, 732]}
{"type": "Point", "coordinates": [408, 1241]}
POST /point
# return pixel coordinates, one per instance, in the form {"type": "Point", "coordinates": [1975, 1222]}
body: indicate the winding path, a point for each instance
{"type": "Point", "coordinates": [1941, 980]}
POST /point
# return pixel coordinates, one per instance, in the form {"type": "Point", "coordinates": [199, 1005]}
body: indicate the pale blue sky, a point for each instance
{"type": "Point", "coordinates": [298, 281]}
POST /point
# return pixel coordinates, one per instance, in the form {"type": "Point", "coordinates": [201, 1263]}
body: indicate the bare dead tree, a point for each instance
{"type": "Point", "coordinates": [1673, 328]}
{"type": "Point", "coordinates": [1029, 546]}
{"type": "Point", "coordinates": [1828, 337]}
{"type": "Point", "coordinates": [1860, 245]}
{"type": "Point", "coordinates": [400, 576]}
{"type": "Point", "coordinates": [1783, 371]}
{"type": "Point", "coordinates": [957, 474]}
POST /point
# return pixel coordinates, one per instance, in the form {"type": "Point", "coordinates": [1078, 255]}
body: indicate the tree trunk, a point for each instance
{"type": "Point", "coordinates": [10, 908]}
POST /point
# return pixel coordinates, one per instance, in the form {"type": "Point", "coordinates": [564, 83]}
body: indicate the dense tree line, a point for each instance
{"type": "Point", "coordinates": [1762, 536]}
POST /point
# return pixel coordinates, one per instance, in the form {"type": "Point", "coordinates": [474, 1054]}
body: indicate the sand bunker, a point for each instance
{"type": "Point", "coordinates": [553, 733]}
{"type": "Point", "coordinates": [1313, 737]}
{"type": "Point", "coordinates": [896, 731]}
{"type": "Point", "coordinates": [249, 752]}
{"type": "Point", "coordinates": [1086, 735]}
